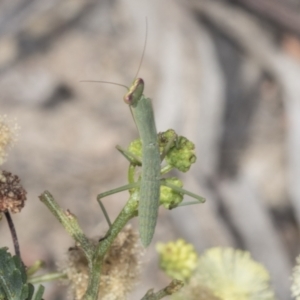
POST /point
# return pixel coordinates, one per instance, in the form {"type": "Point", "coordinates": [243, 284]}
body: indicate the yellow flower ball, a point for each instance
{"type": "Point", "coordinates": [178, 259]}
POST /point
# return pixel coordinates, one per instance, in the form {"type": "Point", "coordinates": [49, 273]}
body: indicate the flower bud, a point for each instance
{"type": "Point", "coordinates": [178, 259]}
{"type": "Point", "coordinates": [168, 197]}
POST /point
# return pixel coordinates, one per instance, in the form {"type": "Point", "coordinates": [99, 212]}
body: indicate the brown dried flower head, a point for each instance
{"type": "Point", "coordinates": [120, 269]}
{"type": "Point", "coordinates": [12, 194]}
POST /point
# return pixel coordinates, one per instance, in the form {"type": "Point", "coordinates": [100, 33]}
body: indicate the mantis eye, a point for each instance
{"type": "Point", "coordinates": [128, 98]}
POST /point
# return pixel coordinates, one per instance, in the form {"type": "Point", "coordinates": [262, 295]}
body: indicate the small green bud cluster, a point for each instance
{"type": "Point", "coordinates": [167, 139]}
{"type": "Point", "coordinates": [168, 197]}
{"type": "Point", "coordinates": [178, 259]}
{"type": "Point", "coordinates": [135, 148]}
{"type": "Point", "coordinates": [180, 154]}
{"type": "Point", "coordinates": [179, 150]}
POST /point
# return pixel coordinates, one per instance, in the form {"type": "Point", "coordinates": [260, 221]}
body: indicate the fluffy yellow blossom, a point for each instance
{"type": "Point", "coordinates": [295, 288]}
{"type": "Point", "coordinates": [194, 291]}
{"type": "Point", "coordinates": [233, 275]}
{"type": "Point", "coordinates": [8, 132]}
{"type": "Point", "coordinates": [178, 259]}
{"type": "Point", "coordinates": [120, 269]}
{"type": "Point", "coordinates": [227, 274]}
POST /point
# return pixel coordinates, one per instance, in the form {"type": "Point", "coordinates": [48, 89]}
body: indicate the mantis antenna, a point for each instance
{"type": "Point", "coordinates": [144, 50]}
{"type": "Point", "coordinates": [138, 70]}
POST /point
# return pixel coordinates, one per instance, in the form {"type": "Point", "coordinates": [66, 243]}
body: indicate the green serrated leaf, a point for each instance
{"type": "Point", "coordinates": [39, 293]}
{"type": "Point", "coordinates": [30, 291]}
{"type": "Point", "coordinates": [13, 277]}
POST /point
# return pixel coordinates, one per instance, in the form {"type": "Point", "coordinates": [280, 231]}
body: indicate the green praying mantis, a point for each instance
{"type": "Point", "coordinates": [150, 180]}
{"type": "Point", "coordinates": [154, 149]}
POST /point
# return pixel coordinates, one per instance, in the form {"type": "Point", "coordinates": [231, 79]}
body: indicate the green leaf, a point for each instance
{"type": "Point", "coordinates": [39, 293]}
{"type": "Point", "coordinates": [30, 291]}
{"type": "Point", "coordinates": [13, 277]}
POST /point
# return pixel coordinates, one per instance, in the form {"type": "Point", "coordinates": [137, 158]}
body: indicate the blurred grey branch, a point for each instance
{"type": "Point", "coordinates": [283, 14]}
{"type": "Point", "coordinates": [247, 33]}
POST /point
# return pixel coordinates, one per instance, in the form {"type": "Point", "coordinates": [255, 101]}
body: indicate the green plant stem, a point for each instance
{"type": "Point", "coordinates": [95, 256]}
{"type": "Point", "coordinates": [39, 293]}
{"type": "Point", "coordinates": [46, 277]}
{"type": "Point", "coordinates": [34, 268]}
{"type": "Point", "coordinates": [127, 213]}
{"type": "Point", "coordinates": [69, 222]}
{"type": "Point", "coordinates": [172, 288]}
{"type": "Point", "coordinates": [13, 233]}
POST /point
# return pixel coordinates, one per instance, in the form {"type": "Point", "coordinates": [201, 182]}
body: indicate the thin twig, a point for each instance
{"type": "Point", "coordinates": [172, 288]}
{"type": "Point", "coordinates": [13, 233]}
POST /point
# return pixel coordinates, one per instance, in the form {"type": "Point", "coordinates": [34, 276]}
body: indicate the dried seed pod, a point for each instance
{"type": "Point", "coordinates": [120, 270]}
{"type": "Point", "coordinates": [12, 194]}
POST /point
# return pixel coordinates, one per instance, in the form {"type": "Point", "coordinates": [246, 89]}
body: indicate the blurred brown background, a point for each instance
{"type": "Point", "coordinates": [225, 74]}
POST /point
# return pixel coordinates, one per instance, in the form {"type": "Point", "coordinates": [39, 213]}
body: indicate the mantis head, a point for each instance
{"type": "Point", "coordinates": [135, 92]}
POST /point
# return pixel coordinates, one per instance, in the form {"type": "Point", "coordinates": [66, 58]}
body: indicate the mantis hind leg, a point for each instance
{"type": "Point", "coordinates": [185, 192]}
{"type": "Point", "coordinates": [133, 159]}
{"type": "Point", "coordinates": [111, 192]}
